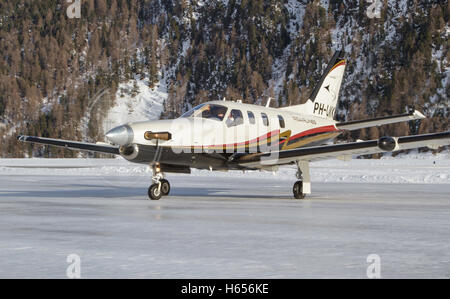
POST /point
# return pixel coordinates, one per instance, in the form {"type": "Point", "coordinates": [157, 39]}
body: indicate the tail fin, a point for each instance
{"type": "Point", "coordinates": [325, 94]}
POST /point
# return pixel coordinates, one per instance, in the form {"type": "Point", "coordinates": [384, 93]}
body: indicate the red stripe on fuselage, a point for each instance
{"type": "Point", "coordinates": [324, 129]}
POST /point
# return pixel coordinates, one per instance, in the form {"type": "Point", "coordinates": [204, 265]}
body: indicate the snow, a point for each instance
{"type": "Point", "coordinates": [136, 101]}
{"type": "Point", "coordinates": [46, 105]}
{"type": "Point", "coordinates": [222, 225]}
{"type": "Point", "coordinates": [443, 68]}
{"type": "Point", "coordinates": [279, 73]}
{"type": "Point", "coordinates": [296, 11]}
{"type": "Point", "coordinates": [423, 168]}
{"type": "Point", "coordinates": [398, 8]}
{"type": "Point", "coordinates": [186, 46]}
{"type": "Point", "coordinates": [325, 4]}
{"type": "Point", "coordinates": [84, 121]}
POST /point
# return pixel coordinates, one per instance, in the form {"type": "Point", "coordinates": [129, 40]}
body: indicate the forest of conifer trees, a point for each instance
{"type": "Point", "coordinates": [51, 66]}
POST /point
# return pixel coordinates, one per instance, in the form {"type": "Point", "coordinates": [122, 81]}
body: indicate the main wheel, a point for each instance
{"type": "Point", "coordinates": [165, 187]}
{"type": "Point", "coordinates": [298, 190]}
{"type": "Point", "coordinates": [154, 193]}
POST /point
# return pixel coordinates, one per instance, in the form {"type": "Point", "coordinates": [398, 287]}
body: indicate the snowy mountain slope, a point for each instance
{"type": "Point", "coordinates": [135, 101]}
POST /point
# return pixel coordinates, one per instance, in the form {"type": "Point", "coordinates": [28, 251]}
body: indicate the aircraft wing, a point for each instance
{"type": "Point", "coordinates": [74, 145]}
{"type": "Point", "coordinates": [316, 153]}
{"type": "Point", "coordinates": [359, 124]}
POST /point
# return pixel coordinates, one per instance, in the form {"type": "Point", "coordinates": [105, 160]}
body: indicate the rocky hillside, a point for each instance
{"type": "Point", "coordinates": [126, 60]}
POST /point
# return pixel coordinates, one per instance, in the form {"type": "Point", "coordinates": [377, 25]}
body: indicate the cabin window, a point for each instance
{"type": "Point", "coordinates": [251, 117]}
{"type": "Point", "coordinates": [208, 111]}
{"type": "Point", "coordinates": [235, 118]}
{"type": "Point", "coordinates": [265, 119]}
{"type": "Point", "coordinates": [281, 120]}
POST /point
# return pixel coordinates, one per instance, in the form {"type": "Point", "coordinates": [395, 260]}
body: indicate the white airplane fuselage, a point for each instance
{"type": "Point", "coordinates": [259, 129]}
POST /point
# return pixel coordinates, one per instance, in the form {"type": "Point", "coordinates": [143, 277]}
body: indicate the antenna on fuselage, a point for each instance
{"type": "Point", "coordinates": [224, 99]}
{"type": "Point", "coordinates": [268, 102]}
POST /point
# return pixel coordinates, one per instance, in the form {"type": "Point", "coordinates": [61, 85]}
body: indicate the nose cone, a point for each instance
{"type": "Point", "coordinates": [121, 135]}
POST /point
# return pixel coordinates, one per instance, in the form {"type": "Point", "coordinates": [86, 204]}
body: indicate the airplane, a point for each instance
{"type": "Point", "coordinates": [230, 135]}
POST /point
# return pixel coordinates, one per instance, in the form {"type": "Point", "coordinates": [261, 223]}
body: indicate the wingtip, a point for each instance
{"type": "Point", "coordinates": [419, 115]}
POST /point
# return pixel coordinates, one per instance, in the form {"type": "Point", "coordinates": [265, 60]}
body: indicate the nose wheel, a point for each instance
{"type": "Point", "coordinates": [154, 192]}
{"type": "Point", "coordinates": [158, 190]}
{"type": "Point", "coordinates": [160, 186]}
{"type": "Point", "coordinates": [165, 187]}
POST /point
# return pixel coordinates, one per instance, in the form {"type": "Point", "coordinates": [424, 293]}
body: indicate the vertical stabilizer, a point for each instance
{"type": "Point", "coordinates": [325, 95]}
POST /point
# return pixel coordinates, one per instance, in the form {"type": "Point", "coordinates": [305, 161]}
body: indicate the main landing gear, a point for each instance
{"type": "Point", "coordinates": [303, 185]}
{"type": "Point", "coordinates": [298, 190]}
{"type": "Point", "coordinates": [160, 186]}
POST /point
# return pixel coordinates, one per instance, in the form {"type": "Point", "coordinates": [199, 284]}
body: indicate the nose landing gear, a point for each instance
{"type": "Point", "coordinates": [165, 187]}
{"type": "Point", "coordinates": [160, 186]}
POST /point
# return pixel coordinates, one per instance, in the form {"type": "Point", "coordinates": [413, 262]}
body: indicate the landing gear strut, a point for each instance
{"type": "Point", "coordinates": [303, 185]}
{"type": "Point", "coordinates": [160, 186]}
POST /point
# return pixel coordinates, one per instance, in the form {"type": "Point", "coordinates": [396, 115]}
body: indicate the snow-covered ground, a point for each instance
{"type": "Point", "coordinates": [225, 225]}
{"type": "Point", "coordinates": [413, 168]}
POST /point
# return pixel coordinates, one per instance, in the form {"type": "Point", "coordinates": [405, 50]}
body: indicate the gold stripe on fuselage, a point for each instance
{"type": "Point", "coordinates": [311, 139]}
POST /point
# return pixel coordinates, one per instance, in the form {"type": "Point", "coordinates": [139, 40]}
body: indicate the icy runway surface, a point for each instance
{"type": "Point", "coordinates": [224, 225]}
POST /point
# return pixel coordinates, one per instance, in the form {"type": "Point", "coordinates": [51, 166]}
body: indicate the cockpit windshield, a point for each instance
{"type": "Point", "coordinates": [209, 111]}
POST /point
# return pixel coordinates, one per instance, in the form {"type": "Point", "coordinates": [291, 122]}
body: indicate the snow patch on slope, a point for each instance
{"type": "Point", "coordinates": [296, 11]}
{"type": "Point", "coordinates": [136, 101]}
{"type": "Point", "coordinates": [279, 73]}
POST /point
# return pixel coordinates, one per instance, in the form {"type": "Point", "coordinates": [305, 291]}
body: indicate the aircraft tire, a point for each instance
{"type": "Point", "coordinates": [165, 187]}
{"type": "Point", "coordinates": [298, 190]}
{"type": "Point", "coordinates": [153, 192]}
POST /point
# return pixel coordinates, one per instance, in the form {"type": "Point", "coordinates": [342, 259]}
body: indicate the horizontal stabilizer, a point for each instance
{"type": "Point", "coordinates": [73, 145]}
{"type": "Point", "coordinates": [359, 124]}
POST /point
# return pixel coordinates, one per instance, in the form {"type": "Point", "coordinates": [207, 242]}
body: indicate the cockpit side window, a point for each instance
{"type": "Point", "coordinates": [191, 112]}
{"type": "Point", "coordinates": [208, 111]}
{"type": "Point", "coordinates": [235, 118]}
